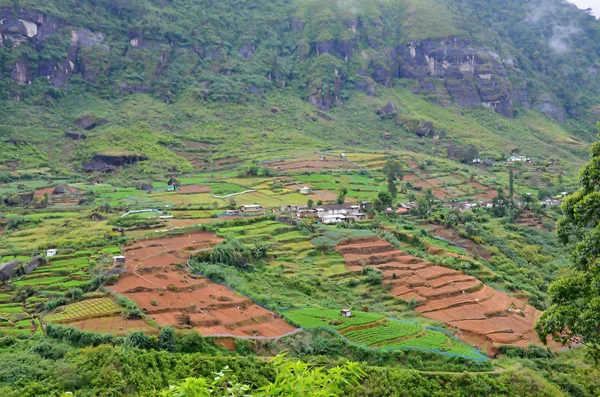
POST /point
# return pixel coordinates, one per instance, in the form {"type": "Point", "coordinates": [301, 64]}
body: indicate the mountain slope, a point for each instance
{"type": "Point", "coordinates": [516, 76]}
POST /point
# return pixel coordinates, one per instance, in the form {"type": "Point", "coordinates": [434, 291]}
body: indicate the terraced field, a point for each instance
{"type": "Point", "coordinates": [480, 314]}
{"type": "Point", "coordinates": [49, 281]}
{"type": "Point", "coordinates": [377, 332]}
{"type": "Point", "coordinates": [101, 315]}
{"type": "Point", "coordinates": [158, 280]}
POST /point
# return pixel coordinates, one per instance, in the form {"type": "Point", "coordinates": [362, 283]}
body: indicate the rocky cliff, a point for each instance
{"type": "Point", "coordinates": [362, 54]}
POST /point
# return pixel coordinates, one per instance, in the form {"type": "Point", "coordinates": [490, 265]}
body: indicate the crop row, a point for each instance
{"type": "Point", "coordinates": [389, 331]}
{"type": "Point", "coordinates": [87, 308]}
{"type": "Point", "coordinates": [436, 340]}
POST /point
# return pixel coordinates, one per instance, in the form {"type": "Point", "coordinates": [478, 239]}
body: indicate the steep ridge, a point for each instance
{"type": "Point", "coordinates": [480, 314]}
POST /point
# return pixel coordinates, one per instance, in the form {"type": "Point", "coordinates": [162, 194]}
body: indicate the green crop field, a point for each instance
{"type": "Point", "coordinates": [388, 331]}
{"type": "Point", "coordinates": [375, 333]}
{"type": "Point", "coordinates": [84, 309]}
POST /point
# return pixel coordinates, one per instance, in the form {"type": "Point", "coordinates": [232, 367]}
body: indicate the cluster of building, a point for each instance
{"type": "Point", "coordinates": [328, 214]}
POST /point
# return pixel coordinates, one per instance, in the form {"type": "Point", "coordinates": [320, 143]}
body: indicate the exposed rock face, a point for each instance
{"type": "Point", "coordinates": [246, 51]}
{"type": "Point", "coordinates": [448, 71]}
{"type": "Point", "coordinates": [388, 109]}
{"type": "Point", "coordinates": [89, 122]}
{"type": "Point", "coordinates": [118, 160]}
{"type": "Point", "coordinates": [548, 104]}
{"type": "Point", "coordinates": [97, 166]}
{"type": "Point", "coordinates": [473, 76]}
{"type": "Point", "coordinates": [33, 264]}
{"type": "Point", "coordinates": [9, 269]}
{"type": "Point", "coordinates": [365, 86]}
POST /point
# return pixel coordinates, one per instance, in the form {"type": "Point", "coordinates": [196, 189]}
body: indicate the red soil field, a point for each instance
{"type": "Point", "coordinates": [311, 162]}
{"type": "Point", "coordinates": [190, 189]}
{"type": "Point", "coordinates": [115, 325]}
{"type": "Point", "coordinates": [158, 280]}
{"type": "Point", "coordinates": [410, 177]}
{"type": "Point", "coordinates": [480, 315]}
{"type": "Point", "coordinates": [478, 185]}
{"type": "Point", "coordinates": [423, 184]}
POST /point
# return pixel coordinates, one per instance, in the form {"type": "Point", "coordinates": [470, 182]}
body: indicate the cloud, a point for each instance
{"type": "Point", "coordinates": [560, 41]}
{"type": "Point", "coordinates": [543, 13]}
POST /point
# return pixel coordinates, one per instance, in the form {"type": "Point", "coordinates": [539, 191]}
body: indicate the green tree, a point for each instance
{"type": "Point", "coordinates": [385, 198]}
{"type": "Point", "coordinates": [342, 195]}
{"type": "Point", "coordinates": [393, 171]}
{"type": "Point", "coordinates": [166, 339]}
{"type": "Point", "coordinates": [574, 312]}
{"type": "Point", "coordinates": [310, 203]}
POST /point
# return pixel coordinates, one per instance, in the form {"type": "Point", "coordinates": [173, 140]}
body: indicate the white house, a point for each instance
{"type": "Point", "coordinates": [305, 190]}
{"type": "Point", "coordinates": [118, 259]}
{"type": "Point", "coordinates": [330, 219]}
{"type": "Point", "coordinates": [51, 252]}
{"type": "Point", "coordinates": [518, 159]}
{"type": "Point", "coordinates": [346, 313]}
{"type": "Point", "coordinates": [251, 208]}
{"type": "Point", "coordinates": [338, 209]}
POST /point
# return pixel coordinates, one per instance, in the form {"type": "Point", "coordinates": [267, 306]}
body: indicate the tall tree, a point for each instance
{"type": "Point", "coordinates": [393, 171]}
{"type": "Point", "coordinates": [574, 312]}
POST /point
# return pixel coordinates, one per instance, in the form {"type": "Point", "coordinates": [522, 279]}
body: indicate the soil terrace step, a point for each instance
{"type": "Point", "coordinates": [461, 288]}
{"type": "Point", "coordinates": [372, 259]}
{"type": "Point", "coordinates": [365, 250]}
{"type": "Point", "coordinates": [447, 280]}
{"type": "Point", "coordinates": [433, 272]}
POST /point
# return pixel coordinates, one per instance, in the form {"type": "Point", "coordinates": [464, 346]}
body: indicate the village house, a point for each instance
{"type": "Point", "coordinates": [118, 259]}
{"type": "Point", "coordinates": [231, 212]}
{"type": "Point", "coordinates": [305, 190]}
{"type": "Point", "coordinates": [251, 208]}
{"type": "Point", "coordinates": [518, 159]}
{"type": "Point", "coordinates": [335, 218]}
{"type": "Point", "coordinates": [51, 252]}
{"type": "Point", "coordinates": [351, 211]}
{"type": "Point", "coordinates": [292, 208]}
{"type": "Point", "coordinates": [306, 213]}
{"type": "Point", "coordinates": [550, 202]}
{"type": "Point", "coordinates": [346, 313]}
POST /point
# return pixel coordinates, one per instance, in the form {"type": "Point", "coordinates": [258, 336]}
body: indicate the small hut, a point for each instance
{"type": "Point", "coordinates": [346, 313]}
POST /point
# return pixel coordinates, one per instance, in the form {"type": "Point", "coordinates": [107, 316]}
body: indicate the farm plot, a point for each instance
{"type": "Point", "coordinates": [52, 280]}
{"type": "Point", "coordinates": [98, 307]}
{"type": "Point", "coordinates": [445, 294]}
{"type": "Point", "coordinates": [101, 315]}
{"type": "Point", "coordinates": [158, 280]}
{"type": "Point", "coordinates": [374, 331]}
{"type": "Point", "coordinates": [14, 320]}
{"type": "Point", "coordinates": [311, 162]}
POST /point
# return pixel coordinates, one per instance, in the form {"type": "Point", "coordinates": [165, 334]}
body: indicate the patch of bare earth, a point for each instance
{"type": "Point", "coordinates": [158, 280]}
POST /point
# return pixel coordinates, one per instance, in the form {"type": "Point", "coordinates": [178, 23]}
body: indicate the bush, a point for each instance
{"type": "Point", "coordinates": [166, 339]}
{"type": "Point", "coordinates": [50, 351]}
{"type": "Point", "coordinates": [54, 303]}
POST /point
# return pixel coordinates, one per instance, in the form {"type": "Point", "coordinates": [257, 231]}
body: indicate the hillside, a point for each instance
{"type": "Point", "coordinates": [297, 198]}
{"type": "Point", "coordinates": [300, 73]}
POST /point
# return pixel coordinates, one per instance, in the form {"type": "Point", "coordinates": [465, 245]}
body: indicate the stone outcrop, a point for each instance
{"type": "Point", "coordinates": [473, 76]}
{"type": "Point", "coordinates": [9, 269]}
{"type": "Point", "coordinates": [448, 71]}
{"type": "Point", "coordinates": [118, 159]}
